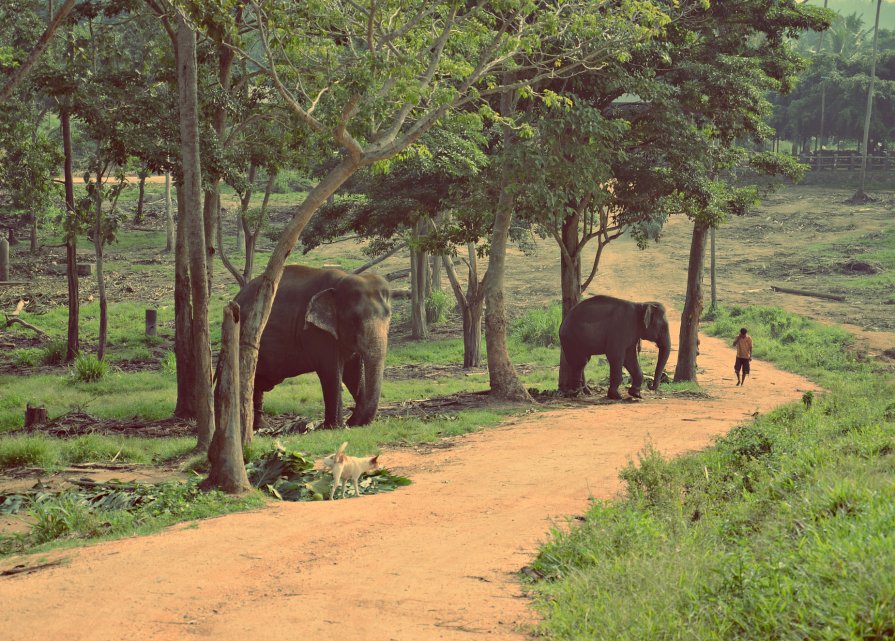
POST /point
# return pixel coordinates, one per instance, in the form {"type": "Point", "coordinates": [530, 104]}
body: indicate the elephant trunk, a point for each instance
{"type": "Point", "coordinates": [373, 359]}
{"type": "Point", "coordinates": [664, 345]}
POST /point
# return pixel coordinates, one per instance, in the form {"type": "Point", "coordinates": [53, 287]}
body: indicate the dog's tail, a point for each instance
{"type": "Point", "coordinates": [340, 454]}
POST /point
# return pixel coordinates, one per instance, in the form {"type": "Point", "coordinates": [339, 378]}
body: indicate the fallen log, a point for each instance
{"type": "Point", "coordinates": [802, 292]}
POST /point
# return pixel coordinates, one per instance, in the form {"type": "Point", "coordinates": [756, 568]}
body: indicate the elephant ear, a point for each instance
{"type": "Point", "coordinates": [647, 314]}
{"type": "Point", "coordinates": [322, 312]}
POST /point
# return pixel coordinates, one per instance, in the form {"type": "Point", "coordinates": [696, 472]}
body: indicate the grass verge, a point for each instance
{"type": "Point", "coordinates": [782, 530]}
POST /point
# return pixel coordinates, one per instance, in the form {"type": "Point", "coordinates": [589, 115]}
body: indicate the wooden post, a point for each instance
{"type": "Point", "coordinates": [228, 471]}
{"type": "Point", "coordinates": [35, 415]}
{"type": "Point", "coordinates": [4, 259]}
{"type": "Point", "coordinates": [151, 322]}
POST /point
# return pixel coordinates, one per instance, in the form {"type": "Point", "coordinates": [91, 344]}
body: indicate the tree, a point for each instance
{"type": "Point", "coordinates": [860, 196]}
{"type": "Point", "coordinates": [372, 80]}
{"type": "Point", "coordinates": [40, 46]}
{"type": "Point", "coordinates": [722, 91]}
{"type": "Point", "coordinates": [191, 212]}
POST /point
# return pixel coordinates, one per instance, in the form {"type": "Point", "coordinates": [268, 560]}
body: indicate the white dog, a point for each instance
{"type": "Point", "coordinates": [344, 467]}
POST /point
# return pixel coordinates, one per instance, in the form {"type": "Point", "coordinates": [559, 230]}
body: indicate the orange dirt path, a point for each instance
{"type": "Point", "coordinates": [435, 560]}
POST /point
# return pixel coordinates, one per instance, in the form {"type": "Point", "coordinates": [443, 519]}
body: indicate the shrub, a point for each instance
{"type": "Point", "coordinates": [89, 369]}
{"type": "Point", "coordinates": [54, 353]}
{"type": "Point", "coordinates": [540, 327]}
{"type": "Point", "coordinates": [28, 357]}
{"type": "Point", "coordinates": [437, 305]}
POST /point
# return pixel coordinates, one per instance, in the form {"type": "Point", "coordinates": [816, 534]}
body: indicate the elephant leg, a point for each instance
{"type": "Point", "coordinates": [258, 405]}
{"type": "Point", "coordinates": [331, 382]}
{"type": "Point", "coordinates": [615, 378]}
{"type": "Point", "coordinates": [632, 364]}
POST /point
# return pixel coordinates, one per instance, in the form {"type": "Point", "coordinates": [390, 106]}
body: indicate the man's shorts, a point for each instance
{"type": "Point", "coordinates": [742, 363]}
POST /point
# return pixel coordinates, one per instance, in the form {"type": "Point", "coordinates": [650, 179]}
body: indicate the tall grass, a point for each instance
{"type": "Point", "coordinates": [782, 530]}
{"type": "Point", "coordinates": [539, 327]}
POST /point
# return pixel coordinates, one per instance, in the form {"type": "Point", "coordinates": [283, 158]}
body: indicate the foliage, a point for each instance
{"type": "Point", "coordinates": [54, 352]}
{"type": "Point", "coordinates": [539, 326]}
{"type": "Point", "coordinates": [88, 368]}
{"type": "Point", "coordinates": [110, 509]}
{"type": "Point", "coordinates": [290, 476]}
{"type": "Point", "coordinates": [437, 305]}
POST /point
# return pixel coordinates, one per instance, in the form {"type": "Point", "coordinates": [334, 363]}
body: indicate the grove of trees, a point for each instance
{"type": "Point", "coordinates": [446, 126]}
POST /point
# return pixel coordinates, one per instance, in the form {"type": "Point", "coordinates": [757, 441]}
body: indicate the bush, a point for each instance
{"type": "Point", "coordinates": [54, 353]}
{"type": "Point", "coordinates": [437, 305]}
{"type": "Point", "coordinates": [540, 327]}
{"type": "Point", "coordinates": [28, 357]}
{"type": "Point", "coordinates": [89, 369]}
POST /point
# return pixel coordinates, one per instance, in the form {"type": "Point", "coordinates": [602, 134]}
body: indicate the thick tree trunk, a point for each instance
{"type": "Point", "coordinates": [169, 217]}
{"type": "Point", "coordinates": [71, 243]}
{"type": "Point", "coordinates": [195, 226]}
{"type": "Point", "coordinates": [688, 343]}
{"type": "Point", "coordinates": [225, 454]}
{"type": "Point", "coordinates": [504, 380]}
{"type": "Point", "coordinates": [183, 320]}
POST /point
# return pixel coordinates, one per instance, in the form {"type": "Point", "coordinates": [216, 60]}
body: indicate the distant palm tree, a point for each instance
{"type": "Point", "coordinates": [860, 196]}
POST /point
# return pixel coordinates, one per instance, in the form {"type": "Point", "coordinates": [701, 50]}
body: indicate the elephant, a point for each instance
{"type": "Point", "coordinates": [329, 322]}
{"type": "Point", "coordinates": [614, 327]}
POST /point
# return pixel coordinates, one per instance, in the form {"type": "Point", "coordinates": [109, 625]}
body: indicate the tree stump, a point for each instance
{"type": "Point", "coordinates": [151, 322]}
{"type": "Point", "coordinates": [35, 415]}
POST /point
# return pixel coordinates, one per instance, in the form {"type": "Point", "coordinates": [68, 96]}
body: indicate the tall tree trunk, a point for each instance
{"type": "Point", "coordinates": [823, 92]}
{"type": "Point", "coordinates": [187, 73]}
{"type": "Point", "coordinates": [688, 343]}
{"type": "Point", "coordinates": [71, 243]}
{"type": "Point", "coordinates": [570, 284]}
{"type": "Point", "coordinates": [34, 244]}
{"type": "Point", "coordinates": [169, 217]}
{"type": "Point", "coordinates": [183, 320]}
{"type": "Point", "coordinates": [100, 278]}
{"type": "Point", "coordinates": [472, 306]}
{"type": "Point", "coordinates": [141, 198]}
{"type": "Point", "coordinates": [861, 196]}
{"type": "Point", "coordinates": [227, 469]}
{"type": "Point", "coordinates": [419, 268]}
{"type": "Point", "coordinates": [504, 380]}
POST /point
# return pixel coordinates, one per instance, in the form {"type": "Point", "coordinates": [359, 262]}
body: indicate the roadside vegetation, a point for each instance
{"type": "Point", "coordinates": [782, 530]}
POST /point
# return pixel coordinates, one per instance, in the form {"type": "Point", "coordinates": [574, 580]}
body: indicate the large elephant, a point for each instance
{"type": "Point", "coordinates": [329, 322]}
{"type": "Point", "coordinates": [614, 327]}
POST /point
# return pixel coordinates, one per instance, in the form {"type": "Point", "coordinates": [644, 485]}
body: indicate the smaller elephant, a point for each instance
{"type": "Point", "coordinates": [614, 327]}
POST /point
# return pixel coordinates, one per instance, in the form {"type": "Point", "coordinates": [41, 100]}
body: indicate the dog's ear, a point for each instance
{"type": "Point", "coordinates": [375, 460]}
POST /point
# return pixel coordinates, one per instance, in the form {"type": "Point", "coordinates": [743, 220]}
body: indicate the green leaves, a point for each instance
{"type": "Point", "coordinates": [290, 476]}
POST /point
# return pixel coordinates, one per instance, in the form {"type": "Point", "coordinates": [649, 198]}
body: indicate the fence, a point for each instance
{"type": "Point", "coordinates": [846, 161]}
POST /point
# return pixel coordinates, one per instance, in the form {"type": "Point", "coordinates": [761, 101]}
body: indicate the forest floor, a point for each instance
{"type": "Point", "coordinates": [440, 558]}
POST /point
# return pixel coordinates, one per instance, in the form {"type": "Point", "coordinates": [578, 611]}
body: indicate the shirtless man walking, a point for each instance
{"type": "Point", "coordinates": [743, 343]}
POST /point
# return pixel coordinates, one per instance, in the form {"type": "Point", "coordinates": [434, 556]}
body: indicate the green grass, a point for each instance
{"type": "Point", "coordinates": [782, 530]}
{"type": "Point", "coordinates": [38, 450]}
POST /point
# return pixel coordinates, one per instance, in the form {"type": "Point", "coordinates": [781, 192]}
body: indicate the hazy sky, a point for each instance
{"type": "Point", "coordinates": [866, 8]}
